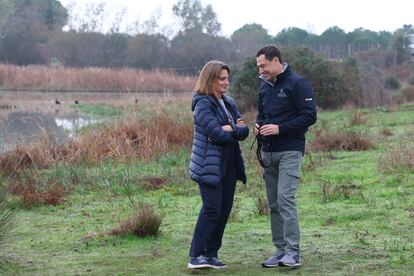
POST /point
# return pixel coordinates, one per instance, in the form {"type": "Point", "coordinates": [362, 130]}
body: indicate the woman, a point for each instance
{"type": "Point", "coordinates": [216, 162]}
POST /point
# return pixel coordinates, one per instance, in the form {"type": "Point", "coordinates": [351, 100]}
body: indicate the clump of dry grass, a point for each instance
{"type": "Point", "coordinates": [408, 93]}
{"type": "Point", "coordinates": [35, 189]}
{"type": "Point", "coordinates": [316, 159]}
{"type": "Point", "coordinates": [146, 222]}
{"type": "Point", "coordinates": [398, 159]}
{"type": "Point", "coordinates": [43, 154]}
{"type": "Point", "coordinates": [7, 224]}
{"type": "Point", "coordinates": [345, 189]}
{"type": "Point", "coordinates": [386, 132]}
{"type": "Point", "coordinates": [260, 201]}
{"type": "Point", "coordinates": [153, 182]}
{"type": "Point", "coordinates": [348, 141]}
{"type": "Point", "coordinates": [45, 78]}
{"type": "Point", "coordinates": [357, 118]}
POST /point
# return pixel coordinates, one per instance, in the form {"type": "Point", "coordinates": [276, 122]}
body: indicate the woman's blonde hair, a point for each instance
{"type": "Point", "coordinates": [210, 72]}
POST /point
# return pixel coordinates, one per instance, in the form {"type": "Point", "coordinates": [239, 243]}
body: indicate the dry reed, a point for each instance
{"type": "Point", "coordinates": [46, 78]}
{"type": "Point", "coordinates": [124, 140]}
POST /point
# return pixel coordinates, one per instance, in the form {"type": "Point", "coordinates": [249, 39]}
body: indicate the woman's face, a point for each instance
{"type": "Point", "coordinates": [220, 84]}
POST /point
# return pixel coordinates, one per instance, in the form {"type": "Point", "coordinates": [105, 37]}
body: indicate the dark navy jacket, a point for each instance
{"type": "Point", "coordinates": [288, 103]}
{"type": "Point", "coordinates": [213, 148]}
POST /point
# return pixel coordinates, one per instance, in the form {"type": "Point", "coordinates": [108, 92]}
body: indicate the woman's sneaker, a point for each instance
{"type": "Point", "coordinates": [291, 259]}
{"type": "Point", "coordinates": [216, 263]}
{"type": "Point", "coordinates": [198, 262]}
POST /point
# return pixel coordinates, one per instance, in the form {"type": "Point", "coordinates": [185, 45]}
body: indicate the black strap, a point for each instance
{"type": "Point", "coordinates": [259, 153]}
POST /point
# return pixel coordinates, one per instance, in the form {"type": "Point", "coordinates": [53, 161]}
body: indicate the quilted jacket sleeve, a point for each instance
{"type": "Point", "coordinates": [206, 118]}
{"type": "Point", "coordinates": [239, 132]}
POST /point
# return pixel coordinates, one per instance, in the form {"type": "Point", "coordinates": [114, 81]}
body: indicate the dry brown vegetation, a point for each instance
{"type": "Point", "coordinates": [121, 141]}
{"type": "Point", "coordinates": [146, 222]}
{"type": "Point", "coordinates": [357, 118]}
{"type": "Point", "coordinates": [398, 159]}
{"type": "Point", "coordinates": [348, 141]}
{"type": "Point", "coordinates": [46, 78]}
{"type": "Point", "coordinates": [34, 190]}
{"type": "Point", "coordinates": [339, 189]}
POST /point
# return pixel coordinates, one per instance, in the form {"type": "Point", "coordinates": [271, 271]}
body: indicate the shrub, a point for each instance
{"type": "Point", "coordinates": [260, 201]}
{"type": "Point", "coordinates": [328, 81]}
{"type": "Point", "coordinates": [245, 85]}
{"type": "Point", "coordinates": [344, 189]}
{"type": "Point", "coordinates": [348, 141]}
{"type": "Point", "coordinates": [153, 182]}
{"type": "Point", "coordinates": [146, 222]}
{"type": "Point", "coordinates": [6, 225]}
{"type": "Point", "coordinates": [397, 160]}
{"type": "Point", "coordinates": [315, 160]}
{"type": "Point", "coordinates": [392, 83]}
{"type": "Point", "coordinates": [357, 118]}
{"type": "Point", "coordinates": [408, 93]}
{"type": "Point", "coordinates": [386, 132]}
{"type": "Point", "coordinates": [34, 188]}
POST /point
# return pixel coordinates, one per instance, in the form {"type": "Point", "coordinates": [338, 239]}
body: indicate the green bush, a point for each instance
{"type": "Point", "coordinates": [245, 85]}
{"type": "Point", "coordinates": [327, 79]}
{"type": "Point", "coordinates": [392, 83]}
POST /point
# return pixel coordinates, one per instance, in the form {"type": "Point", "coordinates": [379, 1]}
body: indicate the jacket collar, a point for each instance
{"type": "Point", "coordinates": [279, 76]}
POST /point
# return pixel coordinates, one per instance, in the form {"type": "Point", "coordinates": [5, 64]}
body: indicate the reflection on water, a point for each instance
{"type": "Point", "coordinates": [71, 125]}
{"type": "Point", "coordinates": [27, 127]}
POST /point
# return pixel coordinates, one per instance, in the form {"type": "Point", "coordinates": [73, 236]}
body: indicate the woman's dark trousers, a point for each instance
{"type": "Point", "coordinates": [212, 219]}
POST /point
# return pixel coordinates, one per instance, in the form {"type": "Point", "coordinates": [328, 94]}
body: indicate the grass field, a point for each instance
{"type": "Point", "coordinates": [356, 208]}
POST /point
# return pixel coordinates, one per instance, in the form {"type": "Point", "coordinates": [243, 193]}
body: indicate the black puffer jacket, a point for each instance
{"type": "Point", "coordinates": [211, 143]}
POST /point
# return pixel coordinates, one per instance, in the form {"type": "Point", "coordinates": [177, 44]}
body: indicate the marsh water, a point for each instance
{"type": "Point", "coordinates": [21, 127]}
{"type": "Point", "coordinates": [27, 116]}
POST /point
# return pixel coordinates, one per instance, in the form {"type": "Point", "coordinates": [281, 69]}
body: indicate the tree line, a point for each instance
{"type": "Point", "coordinates": [344, 68]}
{"type": "Point", "coordinates": [31, 33]}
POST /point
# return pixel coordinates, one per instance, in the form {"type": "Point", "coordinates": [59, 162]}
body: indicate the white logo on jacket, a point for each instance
{"type": "Point", "coordinates": [281, 94]}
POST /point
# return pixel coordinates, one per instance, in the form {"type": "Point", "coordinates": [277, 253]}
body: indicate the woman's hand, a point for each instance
{"type": "Point", "coordinates": [227, 128]}
{"type": "Point", "coordinates": [241, 122]}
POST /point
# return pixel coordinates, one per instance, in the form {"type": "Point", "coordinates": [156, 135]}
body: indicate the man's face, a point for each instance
{"type": "Point", "coordinates": [268, 69]}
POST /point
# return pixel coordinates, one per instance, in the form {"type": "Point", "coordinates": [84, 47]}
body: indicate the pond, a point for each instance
{"type": "Point", "coordinates": [21, 127]}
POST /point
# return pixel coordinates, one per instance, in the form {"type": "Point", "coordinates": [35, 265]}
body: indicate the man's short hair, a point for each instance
{"type": "Point", "coordinates": [269, 51]}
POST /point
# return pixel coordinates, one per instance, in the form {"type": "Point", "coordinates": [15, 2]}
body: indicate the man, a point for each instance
{"type": "Point", "coordinates": [286, 110]}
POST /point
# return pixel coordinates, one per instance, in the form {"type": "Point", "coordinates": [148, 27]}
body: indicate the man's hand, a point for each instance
{"type": "Point", "coordinates": [256, 129]}
{"type": "Point", "coordinates": [267, 130]}
{"type": "Point", "coordinates": [227, 128]}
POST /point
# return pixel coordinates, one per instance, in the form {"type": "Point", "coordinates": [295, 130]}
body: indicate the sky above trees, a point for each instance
{"type": "Point", "coordinates": [313, 16]}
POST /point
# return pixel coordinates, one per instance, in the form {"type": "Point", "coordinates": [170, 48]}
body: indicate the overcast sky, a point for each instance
{"type": "Point", "coordinates": [314, 16]}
